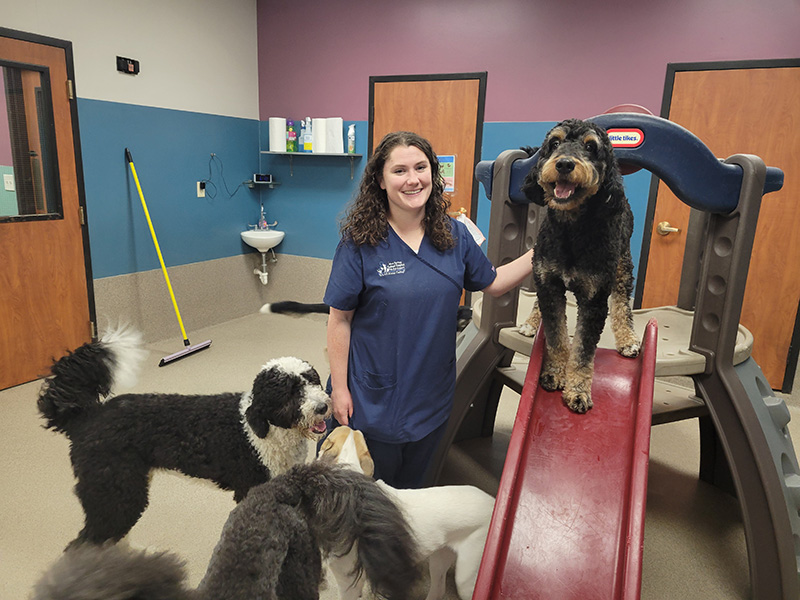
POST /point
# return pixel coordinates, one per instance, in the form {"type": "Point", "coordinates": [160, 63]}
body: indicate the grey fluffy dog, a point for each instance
{"type": "Point", "coordinates": [270, 547]}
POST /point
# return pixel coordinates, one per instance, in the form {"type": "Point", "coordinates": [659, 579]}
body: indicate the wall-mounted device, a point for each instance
{"type": "Point", "coordinates": [262, 178]}
{"type": "Point", "coordinates": [127, 65]}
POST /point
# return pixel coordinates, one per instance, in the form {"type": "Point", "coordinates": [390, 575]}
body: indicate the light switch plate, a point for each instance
{"type": "Point", "coordinates": [8, 182]}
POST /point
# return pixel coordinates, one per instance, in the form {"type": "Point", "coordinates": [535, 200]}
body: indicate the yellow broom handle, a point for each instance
{"type": "Point", "coordinates": [158, 250]}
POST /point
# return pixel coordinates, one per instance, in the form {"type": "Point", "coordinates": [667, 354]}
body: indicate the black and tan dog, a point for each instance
{"type": "Point", "coordinates": [583, 246]}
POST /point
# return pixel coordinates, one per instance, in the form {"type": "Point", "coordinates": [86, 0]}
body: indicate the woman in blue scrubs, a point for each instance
{"type": "Point", "coordinates": [393, 294]}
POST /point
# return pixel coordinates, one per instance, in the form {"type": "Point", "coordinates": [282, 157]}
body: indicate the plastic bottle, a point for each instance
{"type": "Point", "coordinates": [301, 137]}
{"type": "Point", "coordinates": [291, 137]}
{"type": "Point", "coordinates": [307, 140]}
{"type": "Point", "coordinates": [351, 138]}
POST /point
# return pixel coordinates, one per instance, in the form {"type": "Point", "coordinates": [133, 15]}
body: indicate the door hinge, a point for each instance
{"type": "Point", "coordinates": [70, 90]}
{"type": "Point", "coordinates": [93, 328]}
{"type": "Point", "coordinates": [81, 215]}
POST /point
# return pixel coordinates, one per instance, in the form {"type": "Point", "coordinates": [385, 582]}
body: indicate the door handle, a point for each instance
{"type": "Point", "coordinates": [664, 228]}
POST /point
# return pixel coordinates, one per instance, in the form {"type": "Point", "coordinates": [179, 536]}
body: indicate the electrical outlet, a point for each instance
{"type": "Point", "coordinates": [201, 189]}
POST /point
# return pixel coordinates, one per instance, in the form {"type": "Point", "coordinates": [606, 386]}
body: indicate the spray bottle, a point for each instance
{"type": "Point", "coordinates": [351, 138]}
{"type": "Point", "coordinates": [307, 140]}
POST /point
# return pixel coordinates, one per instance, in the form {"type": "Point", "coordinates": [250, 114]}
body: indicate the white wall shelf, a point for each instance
{"type": "Point", "coordinates": [291, 156]}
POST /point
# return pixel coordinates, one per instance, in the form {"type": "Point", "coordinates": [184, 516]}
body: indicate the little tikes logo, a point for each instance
{"type": "Point", "coordinates": [626, 138]}
{"type": "Point", "coordinates": [397, 267]}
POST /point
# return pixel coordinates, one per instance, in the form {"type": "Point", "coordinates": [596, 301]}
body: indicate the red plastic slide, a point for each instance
{"type": "Point", "coordinates": [569, 518]}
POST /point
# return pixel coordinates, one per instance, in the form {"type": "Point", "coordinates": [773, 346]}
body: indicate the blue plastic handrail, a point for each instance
{"type": "Point", "coordinates": [672, 153]}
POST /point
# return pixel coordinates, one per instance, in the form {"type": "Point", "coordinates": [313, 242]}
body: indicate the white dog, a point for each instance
{"type": "Point", "coordinates": [450, 523]}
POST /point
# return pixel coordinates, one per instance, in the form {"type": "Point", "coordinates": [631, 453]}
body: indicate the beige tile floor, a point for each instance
{"type": "Point", "coordinates": [694, 542]}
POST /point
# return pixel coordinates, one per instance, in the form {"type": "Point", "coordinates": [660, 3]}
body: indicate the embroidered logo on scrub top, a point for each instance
{"type": "Point", "coordinates": [397, 267]}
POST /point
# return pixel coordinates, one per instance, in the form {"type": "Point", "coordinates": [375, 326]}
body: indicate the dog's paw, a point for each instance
{"type": "Point", "coordinates": [531, 324]}
{"type": "Point", "coordinates": [552, 379]}
{"type": "Point", "coordinates": [630, 350]}
{"type": "Point", "coordinates": [577, 401]}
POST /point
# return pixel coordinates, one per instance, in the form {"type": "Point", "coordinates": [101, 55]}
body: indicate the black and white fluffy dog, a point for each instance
{"type": "Point", "coordinates": [583, 246]}
{"type": "Point", "coordinates": [269, 548]}
{"type": "Point", "coordinates": [236, 440]}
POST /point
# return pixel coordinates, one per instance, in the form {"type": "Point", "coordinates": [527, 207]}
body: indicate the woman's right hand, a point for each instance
{"type": "Point", "coordinates": [339, 322]}
{"type": "Point", "coordinates": [342, 405]}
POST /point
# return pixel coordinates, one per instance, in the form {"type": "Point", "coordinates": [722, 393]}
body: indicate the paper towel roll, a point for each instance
{"type": "Point", "coordinates": [277, 134]}
{"type": "Point", "coordinates": [319, 135]}
{"type": "Point", "coordinates": [334, 138]}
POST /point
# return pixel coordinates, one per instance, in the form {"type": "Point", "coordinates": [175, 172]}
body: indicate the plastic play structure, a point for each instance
{"type": "Point", "coordinates": [745, 446]}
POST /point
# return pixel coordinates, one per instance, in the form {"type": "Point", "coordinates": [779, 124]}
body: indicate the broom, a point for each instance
{"type": "Point", "coordinates": [189, 349]}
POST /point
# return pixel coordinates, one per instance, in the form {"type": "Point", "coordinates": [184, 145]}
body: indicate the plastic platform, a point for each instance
{"type": "Point", "coordinates": [569, 517]}
{"type": "Point", "coordinates": [674, 358]}
{"type": "Point", "coordinates": [671, 401]}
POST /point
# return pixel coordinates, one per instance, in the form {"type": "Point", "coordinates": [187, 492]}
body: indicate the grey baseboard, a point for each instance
{"type": "Point", "coordinates": [207, 293]}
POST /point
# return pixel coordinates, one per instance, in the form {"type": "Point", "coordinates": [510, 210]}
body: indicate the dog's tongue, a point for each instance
{"type": "Point", "coordinates": [564, 189]}
{"type": "Point", "coordinates": [320, 427]}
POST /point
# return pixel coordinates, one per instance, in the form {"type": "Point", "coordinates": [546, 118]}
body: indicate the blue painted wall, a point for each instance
{"type": "Point", "coordinates": [314, 190]}
{"type": "Point", "coordinates": [312, 194]}
{"type": "Point", "coordinates": [171, 151]}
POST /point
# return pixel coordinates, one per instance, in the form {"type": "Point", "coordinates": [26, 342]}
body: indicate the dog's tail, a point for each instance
{"type": "Point", "coordinates": [82, 379]}
{"type": "Point", "coordinates": [117, 572]}
{"type": "Point", "coordinates": [386, 540]}
{"type": "Point", "coordinates": [289, 307]}
{"type": "Point", "coordinates": [348, 508]}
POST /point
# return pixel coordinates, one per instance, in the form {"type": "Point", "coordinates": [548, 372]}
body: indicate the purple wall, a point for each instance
{"type": "Point", "coordinates": [545, 60]}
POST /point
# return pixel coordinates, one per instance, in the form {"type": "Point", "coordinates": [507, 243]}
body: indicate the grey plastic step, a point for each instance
{"type": "Point", "coordinates": [673, 357]}
{"type": "Point", "coordinates": [671, 401]}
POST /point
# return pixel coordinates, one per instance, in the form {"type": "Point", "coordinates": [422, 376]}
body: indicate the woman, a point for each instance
{"type": "Point", "coordinates": [393, 293]}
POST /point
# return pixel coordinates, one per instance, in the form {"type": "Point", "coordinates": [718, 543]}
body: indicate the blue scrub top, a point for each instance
{"type": "Point", "coordinates": [402, 361]}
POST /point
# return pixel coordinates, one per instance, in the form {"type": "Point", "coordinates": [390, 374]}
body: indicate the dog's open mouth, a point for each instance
{"type": "Point", "coordinates": [563, 190]}
{"type": "Point", "coordinates": [319, 428]}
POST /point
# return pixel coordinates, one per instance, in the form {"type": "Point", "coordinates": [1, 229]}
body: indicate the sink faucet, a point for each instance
{"type": "Point", "coordinates": [262, 221]}
{"type": "Point", "coordinates": [262, 226]}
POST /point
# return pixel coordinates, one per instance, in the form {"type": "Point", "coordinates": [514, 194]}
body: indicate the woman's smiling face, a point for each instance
{"type": "Point", "coordinates": [407, 179]}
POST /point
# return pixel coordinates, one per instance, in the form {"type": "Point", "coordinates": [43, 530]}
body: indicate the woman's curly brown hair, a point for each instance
{"type": "Point", "coordinates": [366, 219]}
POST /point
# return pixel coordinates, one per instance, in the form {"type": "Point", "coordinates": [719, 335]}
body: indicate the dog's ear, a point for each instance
{"type": "Point", "coordinates": [275, 400]}
{"type": "Point", "coordinates": [290, 489]}
{"type": "Point", "coordinates": [613, 177]}
{"type": "Point", "coordinates": [257, 419]}
{"type": "Point", "coordinates": [529, 150]}
{"type": "Point", "coordinates": [325, 453]}
{"type": "Point", "coordinates": [364, 457]}
{"type": "Point", "coordinates": [531, 188]}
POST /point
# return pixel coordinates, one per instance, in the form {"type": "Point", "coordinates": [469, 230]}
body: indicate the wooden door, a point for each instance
{"type": "Point", "coordinates": [742, 109]}
{"type": "Point", "coordinates": [445, 109]}
{"type": "Point", "coordinates": [45, 279]}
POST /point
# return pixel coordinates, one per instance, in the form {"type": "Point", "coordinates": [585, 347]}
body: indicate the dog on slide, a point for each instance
{"type": "Point", "coordinates": [236, 440]}
{"type": "Point", "coordinates": [449, 523]}
{"type": "Point", "coordinates": [583, 246]}
{"type": "Point", "coordinates": [269, 548]}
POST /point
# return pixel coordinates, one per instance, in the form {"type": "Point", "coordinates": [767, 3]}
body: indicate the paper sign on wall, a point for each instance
{"type": "Point", "coordinates": [447, 168]}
